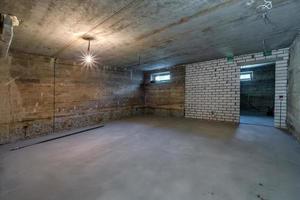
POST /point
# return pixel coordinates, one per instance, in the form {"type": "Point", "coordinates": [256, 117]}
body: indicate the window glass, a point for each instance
{"type": "Point", "coordinates": [161, 77]}
{"type": "Point", "coordinates": [246, 76]}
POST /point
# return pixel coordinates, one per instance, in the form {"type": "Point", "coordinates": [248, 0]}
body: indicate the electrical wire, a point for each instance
{"type": "Point", "coordinates": [266, 6]}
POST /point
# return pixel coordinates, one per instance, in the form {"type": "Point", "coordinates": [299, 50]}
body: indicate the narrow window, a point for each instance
{"type": "Point", "coordinates": [246, 76]}
{"type": "Point", "coordinates": [161, 77]}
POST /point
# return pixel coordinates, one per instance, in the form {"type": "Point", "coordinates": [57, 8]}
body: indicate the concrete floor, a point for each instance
{"type": "Point", "coordinates": [257, 120]}
{"type": "Point", "coordinates": [154, 158]}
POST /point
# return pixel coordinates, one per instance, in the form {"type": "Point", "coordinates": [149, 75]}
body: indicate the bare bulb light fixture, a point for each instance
{"type": "Point", "coordinates": [88, 59]}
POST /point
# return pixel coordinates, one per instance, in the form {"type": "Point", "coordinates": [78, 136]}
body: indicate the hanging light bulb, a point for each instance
{"type": "Point", "coordinates": [88, 60]}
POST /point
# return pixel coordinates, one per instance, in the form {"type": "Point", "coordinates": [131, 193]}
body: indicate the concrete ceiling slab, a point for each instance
{"type": "Point", "coordinates": [161, 32]}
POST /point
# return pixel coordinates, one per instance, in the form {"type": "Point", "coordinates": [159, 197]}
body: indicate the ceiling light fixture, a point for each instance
{"type": "Point", "coordinates": [88, 59]}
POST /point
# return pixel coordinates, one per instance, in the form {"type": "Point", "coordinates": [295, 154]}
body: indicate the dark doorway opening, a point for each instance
{"type": "Point", "coordinates": [257, 94]}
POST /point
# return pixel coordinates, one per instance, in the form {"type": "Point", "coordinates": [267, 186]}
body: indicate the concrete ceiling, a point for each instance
{"type": "Point", "coordinates": [162, 32]}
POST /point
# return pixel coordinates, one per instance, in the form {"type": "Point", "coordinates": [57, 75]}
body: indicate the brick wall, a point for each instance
{"type": "Point", "coordinates": [213, 87]}
{"type": "Point", "coordinates": [82, 97]}
{"type": "Point", "coordinates": [212, 91]}
{"type": "Point", "coordinates": [165, 99]}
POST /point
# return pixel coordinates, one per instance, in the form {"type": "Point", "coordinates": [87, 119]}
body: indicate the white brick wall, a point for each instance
{"type": "Point", "coordinates": [212, 91]}
{"type": "Point", "coordinates": [212, 88]}
{"type": "Point", "coordinates": [281, 70]}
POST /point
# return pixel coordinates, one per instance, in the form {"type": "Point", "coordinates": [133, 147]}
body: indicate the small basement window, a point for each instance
{"type": "Point", "coordinates": [246, 76]}
{"type": "Point", "coordinates": [161, 77]}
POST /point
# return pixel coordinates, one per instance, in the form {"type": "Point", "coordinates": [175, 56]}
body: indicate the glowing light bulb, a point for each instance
{"type": "Point", "coordinates": [88, 59]}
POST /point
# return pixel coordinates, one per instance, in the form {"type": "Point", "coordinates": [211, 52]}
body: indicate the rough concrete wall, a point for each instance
{"type": "Point", "coordinates": [82, 97]}
{"type": "Point", "coordinates": [86, 97]}
{"type": "Point", "coordinates": [293, 116]}
{"type": "Point", "coordinates": [166, 99]}
{"type": "Point", "coordinates": [257, 95]}
{"type": "Point", "coordinates": [25, 103]}
{"type": "Point", "coordinates": [212, 88]}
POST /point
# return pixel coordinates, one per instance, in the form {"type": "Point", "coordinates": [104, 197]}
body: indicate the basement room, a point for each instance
{"type": "Point", "coordinates": [149, 100]}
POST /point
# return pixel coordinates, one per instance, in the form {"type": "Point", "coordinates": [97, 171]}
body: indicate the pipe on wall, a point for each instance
{"type": "Point", "coordinates": [7, 23]}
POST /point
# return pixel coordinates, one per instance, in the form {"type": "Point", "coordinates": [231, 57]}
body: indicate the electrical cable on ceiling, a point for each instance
{"type": "Point", "coordinates": [264, 10]}
{"type": "Point", "coordinates": [266, 6]}
{"type": "Point", "coordinates": [120, 10]}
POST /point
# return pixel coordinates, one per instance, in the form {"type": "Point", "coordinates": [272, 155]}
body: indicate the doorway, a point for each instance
{"type": "Point", "coordinates": [257, 95]}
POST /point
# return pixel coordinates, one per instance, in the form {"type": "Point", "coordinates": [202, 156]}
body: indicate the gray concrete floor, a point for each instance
{"type": "Point", "coordinates": [257, 120]}
{"type": "Point", "coordinates": [154, 158]}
